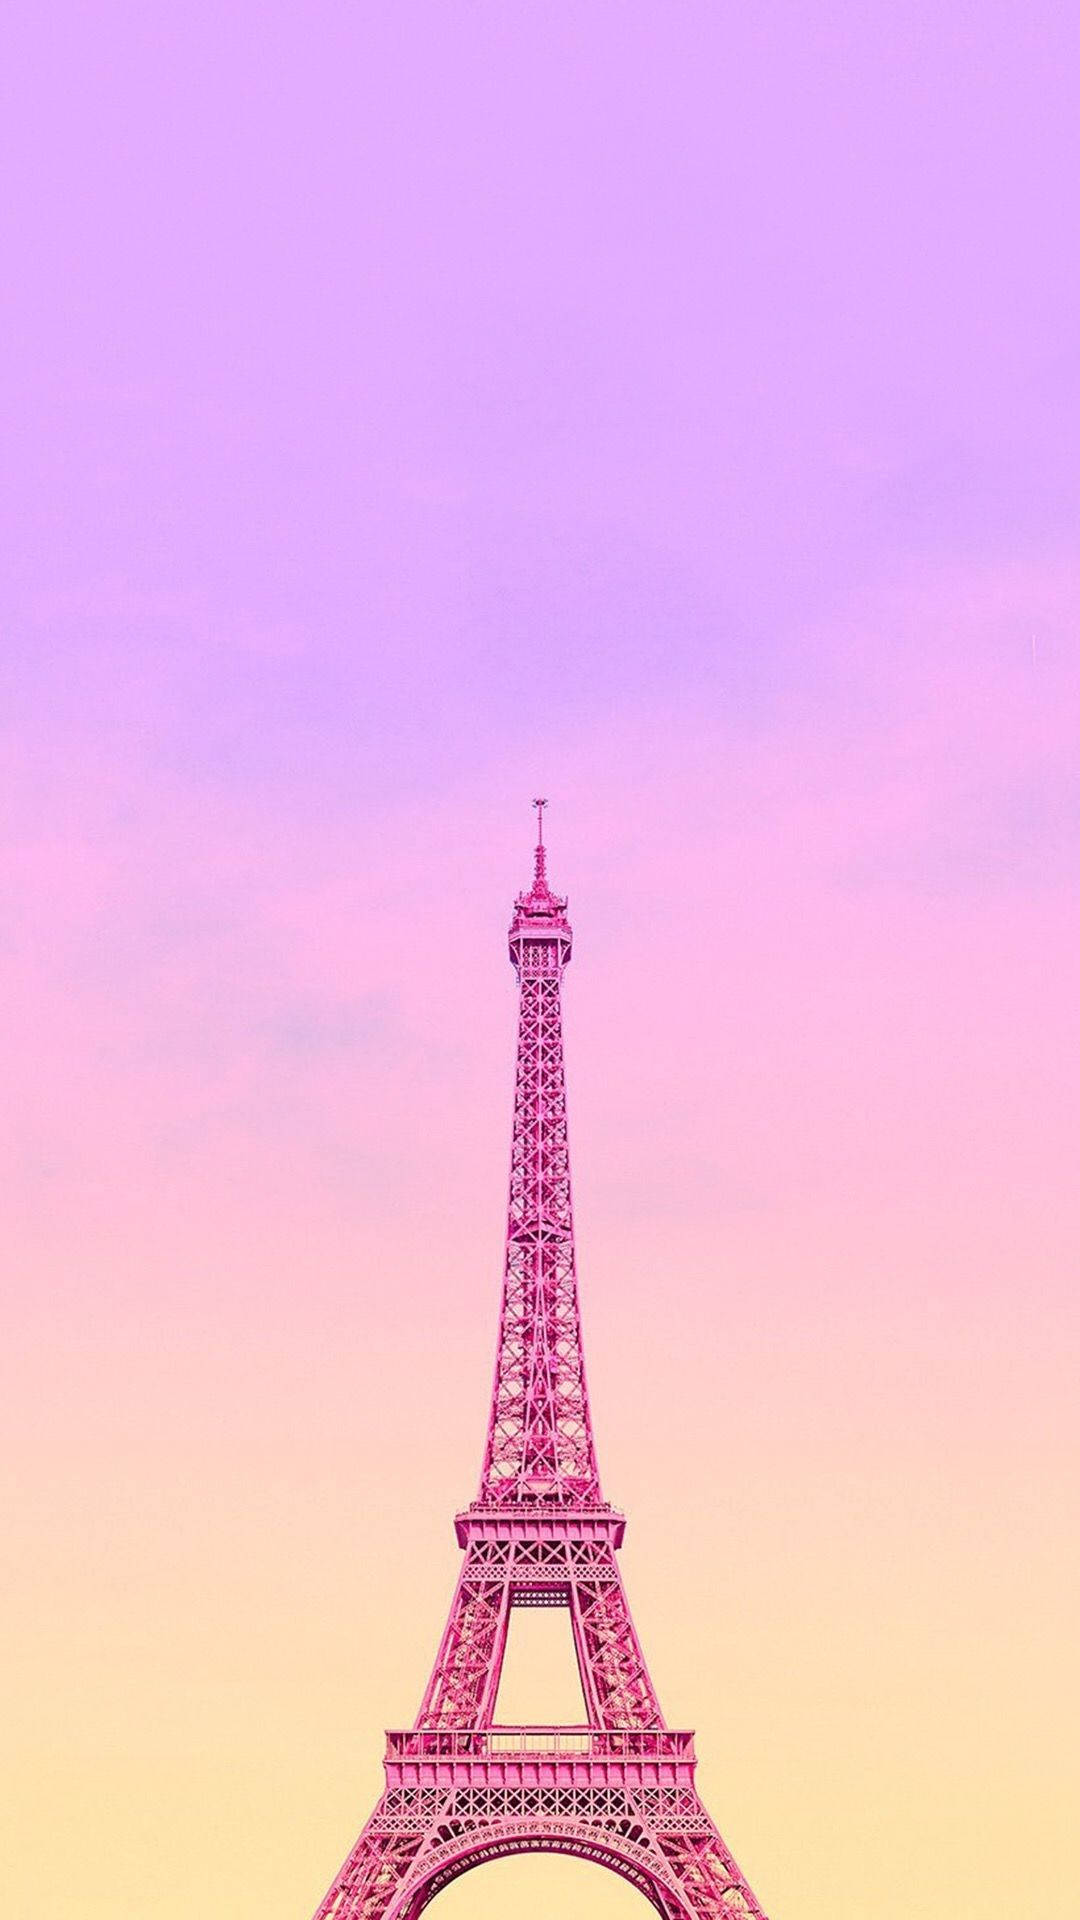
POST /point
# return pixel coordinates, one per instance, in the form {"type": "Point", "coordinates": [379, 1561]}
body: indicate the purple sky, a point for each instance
{"type": "Point", "coordinates": [382, 384]}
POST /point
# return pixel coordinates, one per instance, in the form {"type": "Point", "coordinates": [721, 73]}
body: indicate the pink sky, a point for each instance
{"type": "Point", "coordinates": [408, 410]}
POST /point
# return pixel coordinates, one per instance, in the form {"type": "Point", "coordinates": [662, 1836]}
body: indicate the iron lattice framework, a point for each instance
{"type": "Point", "coordinates": [459, 1788]}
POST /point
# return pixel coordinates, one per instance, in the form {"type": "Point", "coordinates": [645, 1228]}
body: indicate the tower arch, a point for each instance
{"type": "Point", "coordinates": [626, 1862]}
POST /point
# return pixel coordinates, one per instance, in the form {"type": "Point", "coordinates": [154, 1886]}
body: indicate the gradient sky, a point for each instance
{"type": "Point", "coordinates": [674, 410]}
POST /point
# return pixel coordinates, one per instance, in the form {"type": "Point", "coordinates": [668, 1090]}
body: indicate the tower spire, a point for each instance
{"type": "Point", "coordinates": [540, 868]}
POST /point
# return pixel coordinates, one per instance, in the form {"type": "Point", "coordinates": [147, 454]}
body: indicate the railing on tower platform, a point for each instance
{"type": "Point", "coordinates": [592, 1743]}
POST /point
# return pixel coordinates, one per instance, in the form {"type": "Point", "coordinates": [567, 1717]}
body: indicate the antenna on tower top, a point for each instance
{"type": "Point", "coordinates": [540, 876]}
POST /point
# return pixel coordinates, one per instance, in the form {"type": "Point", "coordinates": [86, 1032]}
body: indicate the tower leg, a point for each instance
{"type": "Point", "coordinates": [465, 1679]}
{"type": "Point", "coordinates": [615, 1678]}
{"type": "Point", "coordinates": [374, 1873]}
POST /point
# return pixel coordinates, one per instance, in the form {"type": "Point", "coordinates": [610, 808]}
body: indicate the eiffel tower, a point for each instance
{"type": "Point", "coordinates": [460, 1789]}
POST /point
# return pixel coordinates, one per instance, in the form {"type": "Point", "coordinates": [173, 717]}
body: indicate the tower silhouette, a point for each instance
{"type": "Point", "coordinates": [618, 1790]}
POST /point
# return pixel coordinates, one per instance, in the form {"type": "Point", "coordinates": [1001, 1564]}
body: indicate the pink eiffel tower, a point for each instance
{"type": "Point", "coordinates": [461, 1789]}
